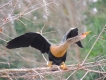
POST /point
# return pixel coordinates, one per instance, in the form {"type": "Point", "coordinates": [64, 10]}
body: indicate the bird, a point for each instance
{"type": "Point", "coordinates": [57, 53]}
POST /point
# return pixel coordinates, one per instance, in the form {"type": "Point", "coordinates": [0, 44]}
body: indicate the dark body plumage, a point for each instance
{"type": "Point", "coordinates": [39, 42]}
{"type": "Point", "coordinates": [57, 60]}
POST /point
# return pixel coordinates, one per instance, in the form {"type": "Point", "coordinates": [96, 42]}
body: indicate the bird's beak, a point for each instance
{"type": "Point", "coordinates": [86, 33]}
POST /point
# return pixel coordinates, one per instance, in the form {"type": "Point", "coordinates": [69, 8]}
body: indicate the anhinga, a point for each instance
{"type": "Point", "coordinates": [56, 53]}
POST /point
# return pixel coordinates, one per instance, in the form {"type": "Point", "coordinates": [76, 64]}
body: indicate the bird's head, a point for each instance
{"type": "Point", "coordinates": [83, 35]}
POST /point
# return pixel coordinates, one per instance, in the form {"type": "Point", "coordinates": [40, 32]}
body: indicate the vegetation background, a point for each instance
{"type": "Point", "coordinates": [53, 18]}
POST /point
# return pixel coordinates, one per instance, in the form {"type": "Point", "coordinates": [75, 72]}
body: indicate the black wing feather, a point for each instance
{"type": "Point", "coordinates": [35, 40]}
{"type": "Point", "coordinates": [72, 33]}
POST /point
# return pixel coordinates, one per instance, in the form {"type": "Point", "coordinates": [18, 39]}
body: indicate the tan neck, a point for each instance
{"type": "Point", "coordinates": [70, 41]}
{"type": "Point", "coordinates": [59, 51]}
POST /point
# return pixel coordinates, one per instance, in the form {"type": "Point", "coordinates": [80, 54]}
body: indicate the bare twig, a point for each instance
{"type": "Point", "coordinates": [93, 45]}
{"type": "Point", "coordinates": [84, 75]}
{"type": "Point", "coordinates": [47, 70]}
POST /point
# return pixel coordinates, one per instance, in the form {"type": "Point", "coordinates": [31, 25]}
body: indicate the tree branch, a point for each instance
{"type": "Point", "coordinates": [41, 71]}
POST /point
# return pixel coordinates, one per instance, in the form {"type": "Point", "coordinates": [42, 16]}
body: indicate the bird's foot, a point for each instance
{"type": "Point", "coordinates": [53, 67]}
{"type": "Point", "coordinates": [50, 64]}
{"type": "Point", "coordinates": [63, 66]}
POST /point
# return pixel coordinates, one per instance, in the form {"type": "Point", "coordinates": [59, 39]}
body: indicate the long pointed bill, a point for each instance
{"type": "Point", "coordinates": [83, 36]}
{"type": "Point", "coordinates": [86, 33]}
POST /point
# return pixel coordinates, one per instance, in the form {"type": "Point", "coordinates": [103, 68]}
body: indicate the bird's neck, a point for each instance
{"type": "Point", "coordinates": [59, 51]}
{"type": "Point", "coordinates": [72, 40]}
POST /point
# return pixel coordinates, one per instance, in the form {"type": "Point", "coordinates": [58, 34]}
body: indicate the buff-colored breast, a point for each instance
{"type": "Point", "coordinates": [57, 51]}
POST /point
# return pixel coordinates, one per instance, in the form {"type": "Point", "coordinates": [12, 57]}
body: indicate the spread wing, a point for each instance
{"type": "Point", "coordinates": [72, 33]}
{"type": "Point", "coordinates": [35, 40]}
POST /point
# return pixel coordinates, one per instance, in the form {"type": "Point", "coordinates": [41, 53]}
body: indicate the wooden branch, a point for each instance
{"type": "Point", "coordinates": [41, 71]}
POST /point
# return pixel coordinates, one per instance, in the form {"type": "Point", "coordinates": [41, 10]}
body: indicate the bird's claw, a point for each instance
{"type": "Point", "coordinates": [63, 66]}
{"type": "Point", "coordinates": [50, 64]}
